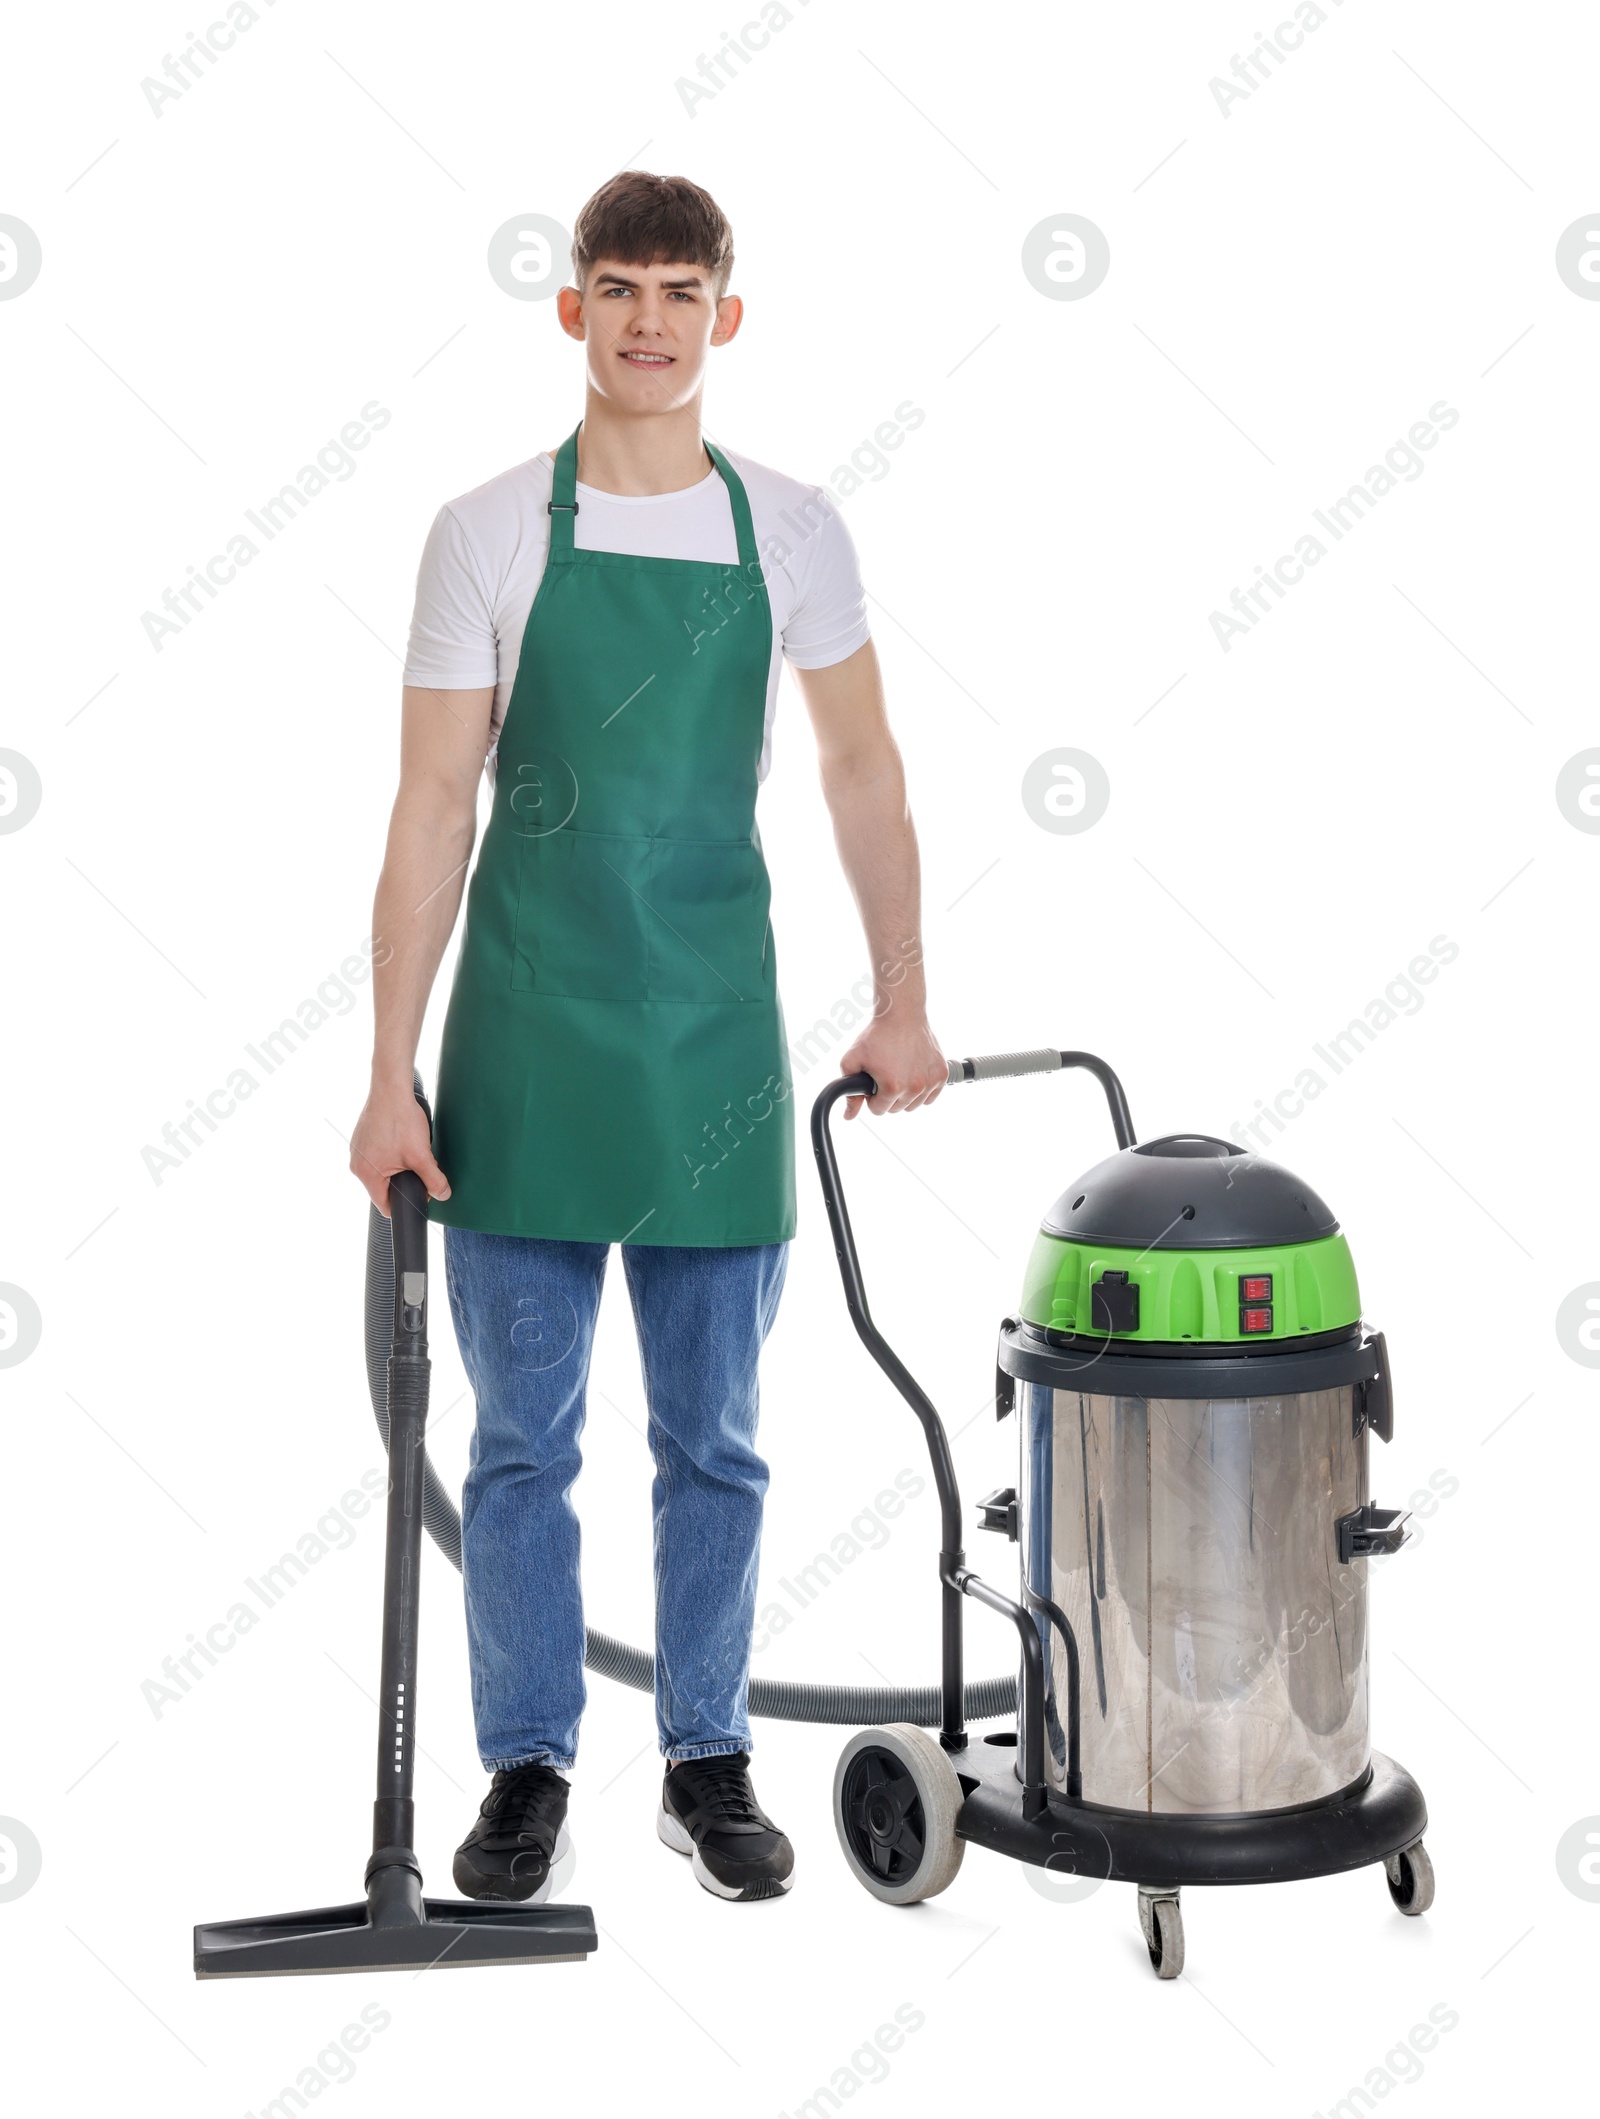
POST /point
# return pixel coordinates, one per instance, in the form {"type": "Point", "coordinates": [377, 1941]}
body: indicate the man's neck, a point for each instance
{"type": "Point", "coordinates": [633, 456]}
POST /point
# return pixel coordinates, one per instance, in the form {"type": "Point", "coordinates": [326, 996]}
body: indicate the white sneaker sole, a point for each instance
{"type": "Point", "coordinates": [672, 1834]}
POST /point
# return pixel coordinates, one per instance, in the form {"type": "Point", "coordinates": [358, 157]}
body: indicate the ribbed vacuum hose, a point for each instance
{"type": "Point", "coordinates": [774, 1699]}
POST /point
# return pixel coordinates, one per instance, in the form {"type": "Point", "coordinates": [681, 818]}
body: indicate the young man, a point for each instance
{"type": "Point", "coordinates": [606, 624]}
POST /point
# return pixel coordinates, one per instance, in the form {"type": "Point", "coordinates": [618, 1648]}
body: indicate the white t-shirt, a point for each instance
{"type": "Point", "coordinates": [485, 556]}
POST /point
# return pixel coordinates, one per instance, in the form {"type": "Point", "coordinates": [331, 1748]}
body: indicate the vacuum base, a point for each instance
{"type": "Point", "coordinates": [1363, 1825]}
{"type": "Point", "coordinates": [342, 1939]}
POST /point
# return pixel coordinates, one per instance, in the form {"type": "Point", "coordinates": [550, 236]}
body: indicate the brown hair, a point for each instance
{"type": "Point", "coordinates": [640, 219]}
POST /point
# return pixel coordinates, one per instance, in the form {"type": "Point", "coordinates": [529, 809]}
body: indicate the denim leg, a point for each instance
{"type": "Point", "coordinates": [702, 1313]}
{"type": "Point", "coordinates": [524, 1310]}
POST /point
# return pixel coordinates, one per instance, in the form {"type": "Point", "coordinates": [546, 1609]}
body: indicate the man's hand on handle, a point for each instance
{"type": "Point", "coordinates": [392, 1135]}
{"type": "Point", "coordinates": [902, 1055]}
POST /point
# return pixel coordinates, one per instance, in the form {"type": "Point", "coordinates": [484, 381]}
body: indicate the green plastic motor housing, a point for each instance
{"type": "Point", "coordinates": [1195, 1294]}
{"type": "Point", "coordinates": [1155, 1245]}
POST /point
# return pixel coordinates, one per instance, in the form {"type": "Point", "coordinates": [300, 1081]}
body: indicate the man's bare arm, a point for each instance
{"type": "Point", "coordinates": [444, 739]}
{"type": "Point", "coordinates": [864, 783]}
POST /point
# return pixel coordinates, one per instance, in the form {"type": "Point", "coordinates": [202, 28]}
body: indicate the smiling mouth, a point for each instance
{"type": "Point", "coordinates": [649, 360]}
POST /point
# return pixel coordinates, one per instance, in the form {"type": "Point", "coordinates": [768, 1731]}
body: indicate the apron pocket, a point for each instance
{"type": "Point", "coordinates": [709, 936]}
{"type": "Point", "coordinates": [583, 916]}
{"type": "Point", "coordinates": [605, 918]}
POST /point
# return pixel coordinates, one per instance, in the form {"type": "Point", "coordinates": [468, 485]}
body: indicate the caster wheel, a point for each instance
{"type": "Point", "coordinates": [895, 1798]}
{"type": "Point", "coordinates": [1161, 1919]}
{"type": "Point", "coordinates": [1410, 1874]}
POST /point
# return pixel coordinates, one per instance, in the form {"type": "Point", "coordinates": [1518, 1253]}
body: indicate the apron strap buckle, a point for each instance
{"type": "Point", "coordinates": [569, 507]}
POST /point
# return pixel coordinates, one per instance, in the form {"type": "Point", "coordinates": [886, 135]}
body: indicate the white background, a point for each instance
{"type": "Point", "coordinates": [1374, 765]}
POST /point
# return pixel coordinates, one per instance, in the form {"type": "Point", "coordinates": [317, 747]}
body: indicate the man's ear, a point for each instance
{"type": "Point", "coordinates": [569, 307]}
{"type": "Point", "coordinates": [730, 315]}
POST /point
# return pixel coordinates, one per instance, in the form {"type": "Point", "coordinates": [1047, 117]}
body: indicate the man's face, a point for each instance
{"type": "Point", "coordinates": [648, 329]}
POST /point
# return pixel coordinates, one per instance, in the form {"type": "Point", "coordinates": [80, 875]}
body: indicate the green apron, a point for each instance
{"type": "Point", "coordinates": [613, 1066]}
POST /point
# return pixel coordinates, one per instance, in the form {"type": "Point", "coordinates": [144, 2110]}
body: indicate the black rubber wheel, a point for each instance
{"type": "Point", "coordinates": [1410, 1878]}
{"type": "Point", "coordinates": [895, 1798]}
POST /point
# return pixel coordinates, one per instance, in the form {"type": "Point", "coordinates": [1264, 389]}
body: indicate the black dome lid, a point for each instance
{"type": "Point", "coordinates": [1189, 1192]}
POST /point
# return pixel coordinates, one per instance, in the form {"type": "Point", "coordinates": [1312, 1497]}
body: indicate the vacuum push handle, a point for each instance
{"type": "Point", "coordinates": [957, 1578]}
{"type": "Point", "coordinates": [991, 1067]}
{"type": "Point", "coordinates": [996, 1066]}
{"type": "Point", "coordinates": [855, 1295]}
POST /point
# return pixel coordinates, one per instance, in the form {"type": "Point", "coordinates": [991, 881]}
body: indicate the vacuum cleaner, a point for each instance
{"type": "Point", "coordinates": [1195, 1392]}
{"type": "Point", "coordinates": [1198, 1389]}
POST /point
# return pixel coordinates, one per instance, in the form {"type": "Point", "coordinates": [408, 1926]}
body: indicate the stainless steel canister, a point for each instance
{"type": "Point", "coordinates": [1191, 1543]}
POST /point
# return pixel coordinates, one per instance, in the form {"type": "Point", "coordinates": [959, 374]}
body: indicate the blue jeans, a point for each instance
{"type": "Point", "coordinates": [524, 1310]}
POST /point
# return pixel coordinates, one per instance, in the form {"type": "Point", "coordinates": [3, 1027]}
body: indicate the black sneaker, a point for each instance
{"type": "Point", "coordinates": [709, 1812]}
{"type": "Point", "coordinates": [519, 1836]}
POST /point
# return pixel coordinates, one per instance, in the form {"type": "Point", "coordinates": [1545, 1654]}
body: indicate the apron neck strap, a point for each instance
{"type": "Point", "coordinates": [744, 529]}
{"type": "Point", "coordinates": [563, 504]}
{"type": "Point", "coordinates": [564, 497]}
